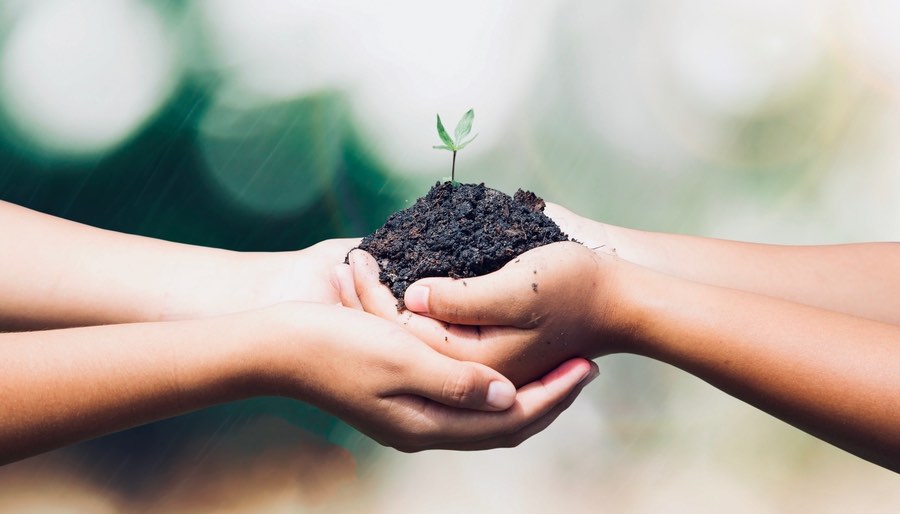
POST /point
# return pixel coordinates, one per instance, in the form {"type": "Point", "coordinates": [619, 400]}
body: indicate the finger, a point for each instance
{"type": "Point", "coordinates": [519, 294]}
{"type": "Point", "coordinates": [586, 231]}
{"type": "Point", "coordinates": [445, 427]}
{"type": "Point", "coordinates": [342, 278]}
{"type": "Point", "coordinates": [500, 298]}
{"type": "Point", "coordinates": [574, 225]}
{"type": "Point", "coordinates": [345, 244]}
{"type": "Point", "coordinates": [457, 341]}
{"type": "Point", "coordinates": [336, 249]}
{"type": "Point", "coordinates": [560, 215]}
{"type": "Point", "coordinates": [374, 297]}
{"type": "Point", "coordinates": [547, 419]}
{"type": "Point", "coordinates": [570, 223]}
{"type": "Point", "coordinates": [493, 346]}
{"type": "Point", "coordinates": [457, 384]}
{"type": "Point", "coordinates": [512, 440]}
{"type": "Point", "coordinates": [539, 397]}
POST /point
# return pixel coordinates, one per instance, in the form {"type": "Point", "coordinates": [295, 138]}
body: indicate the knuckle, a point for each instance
{"type": "Point", "coordinates": [460, 387]}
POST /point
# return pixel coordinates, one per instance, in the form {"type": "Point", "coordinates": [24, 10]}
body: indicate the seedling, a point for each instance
{"type": "Point", "coordinates": [462, 130]}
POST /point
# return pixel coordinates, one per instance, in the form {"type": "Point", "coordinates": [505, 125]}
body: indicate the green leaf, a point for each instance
{"type": "Point", "coordinates": [442, 132]}
{"type": "Point", "coordinates": [465, 125]}
{"type": "Point", "coordinates": [460, 147]}
{"type": "Point", "coordinates": [442, 147]}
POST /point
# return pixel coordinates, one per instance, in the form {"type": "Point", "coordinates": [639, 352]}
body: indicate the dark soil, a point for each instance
{"type": "Point", "coordinates": [462, 231]}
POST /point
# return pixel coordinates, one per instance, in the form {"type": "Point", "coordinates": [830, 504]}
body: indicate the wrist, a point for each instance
{"type": "Point", "coordinates": [297, 276]}
{"type": "Point", "coordinates": [293, 348]}
{"type": "Point", "coordinates": [205, 282]}
{"type": "Point", "coordinates": [621, 305]}
{"type": "Point", "coordinates": [646, 303]}
{"type": "Point", "coordinates": [233, 367]}
{"type": "Point", "coordinates": [224, 282]}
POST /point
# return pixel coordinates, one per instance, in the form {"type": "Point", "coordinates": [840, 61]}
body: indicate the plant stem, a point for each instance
{"type": "Point", "coordinates": [453, 168]}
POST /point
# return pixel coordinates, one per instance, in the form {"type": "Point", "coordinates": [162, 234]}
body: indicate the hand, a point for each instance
{"type": "Point", "coordinates": [548, 305]}
{"type": "Point", "coordinates": [207, 282]}
{"type": "Point", "coordinates": [391, 386]}
{"type": "Point", "coordinates": [590, 233]}
{"type": "Point", "coordinates": [309, 277]}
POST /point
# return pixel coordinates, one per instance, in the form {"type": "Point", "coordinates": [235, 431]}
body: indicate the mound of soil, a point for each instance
{"type": "Point", "coordinates": [458, 231]}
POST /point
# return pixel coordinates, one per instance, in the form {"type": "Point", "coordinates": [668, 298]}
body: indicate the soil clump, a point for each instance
{"type": "Point", "coordinates": [458, 231]}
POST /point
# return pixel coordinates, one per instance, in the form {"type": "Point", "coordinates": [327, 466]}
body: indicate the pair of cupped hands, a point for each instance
{"type": "Point", "coordinates": [473, 363]}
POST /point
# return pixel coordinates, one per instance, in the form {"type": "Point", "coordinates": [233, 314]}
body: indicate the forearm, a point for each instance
{"type": "Point", "coordinates": [830, 374]}
{"type": "Point", "coordinates": [63, 386]}
{"type": "Point", "coordinates": [857, 279]}
{"type": "Point", "coordinates": [57, 273]}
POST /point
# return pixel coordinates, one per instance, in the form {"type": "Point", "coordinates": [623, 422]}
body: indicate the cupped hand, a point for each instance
{"type": "Point", "coordinates": [315, 265]}
{"type": "Point", "coordinates": [302, 275]}
{"type": "Point", "coordinates": [590, 233]}
{"type": "Point", "coordinates": [402, 393]}
{"type": "Point", "coordinates": [548, 305]}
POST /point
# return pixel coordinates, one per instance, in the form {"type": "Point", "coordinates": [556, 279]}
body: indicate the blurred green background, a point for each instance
{"type": "Point", "coordinates": [274, 124]}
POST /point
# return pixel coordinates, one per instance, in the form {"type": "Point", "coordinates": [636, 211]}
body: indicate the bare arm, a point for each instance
{"type": "Point", "coordinates": [831, 374]}
{"type": "Point", "coordinates": [858, 279]}
{"type": "Point", "coordinates": [57, 273]}
{"type": "Point", "coordinates": [62, 386]}
{"type": "Point", "coordinates": [65, 385]}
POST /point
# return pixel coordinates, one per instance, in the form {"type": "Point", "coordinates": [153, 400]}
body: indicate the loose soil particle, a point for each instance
{"type": "Point", "coordinates": [458, 231]}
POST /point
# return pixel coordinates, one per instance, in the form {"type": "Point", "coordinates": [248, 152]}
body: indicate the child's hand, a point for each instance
{"type": "Point", "coordinates": [588, 232]}
{"type": "Point", "coordinates": [548, 305]}
{"type": "Point", "coordinates": [262, 279]}
{"type": "Point", "coordinates": [312, 271]}
{"type": "Point", "coordinates": [391, 386]}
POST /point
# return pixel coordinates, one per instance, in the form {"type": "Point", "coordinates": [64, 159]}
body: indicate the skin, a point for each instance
{"type": "Point", "coordinates": [155, 329]}
{"type": "Point", "coordinates": [489, 328]}
{"type": "Point", "coordinates": [90, 276]}
{"type": "Point", "coordinates": [807, 334]}
{"type": "Point", "coordinates": [857, 279]}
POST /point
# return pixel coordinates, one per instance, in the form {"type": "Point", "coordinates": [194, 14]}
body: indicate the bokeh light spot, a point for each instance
{"type": "Point", "coordinates": [275, 159]}
{"type": "Point", "coordinates": [80, 76]}
{"type": "Point", "coordinates": [271, 50]}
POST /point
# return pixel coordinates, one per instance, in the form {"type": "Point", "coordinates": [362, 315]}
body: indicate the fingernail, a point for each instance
{"type": "Point", "coordinates": [501, 395]}
{"type": "Point", "coordinates": [589, 376]}
{"type": "Point", "coordinates": [416, 298]}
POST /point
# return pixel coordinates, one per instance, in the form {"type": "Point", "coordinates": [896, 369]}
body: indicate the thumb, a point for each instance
{"type": "Point", "coordinates": [498, 298]}
{"type": "Point", "coordinates": [461, 384]}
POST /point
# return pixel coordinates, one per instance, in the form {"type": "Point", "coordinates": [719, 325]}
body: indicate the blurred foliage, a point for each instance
{"type": "Point", "coordinates": [156, 185]}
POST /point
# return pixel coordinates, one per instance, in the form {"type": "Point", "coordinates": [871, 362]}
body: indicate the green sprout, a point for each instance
{"type": "Point", "coordinates": [462, 130]}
